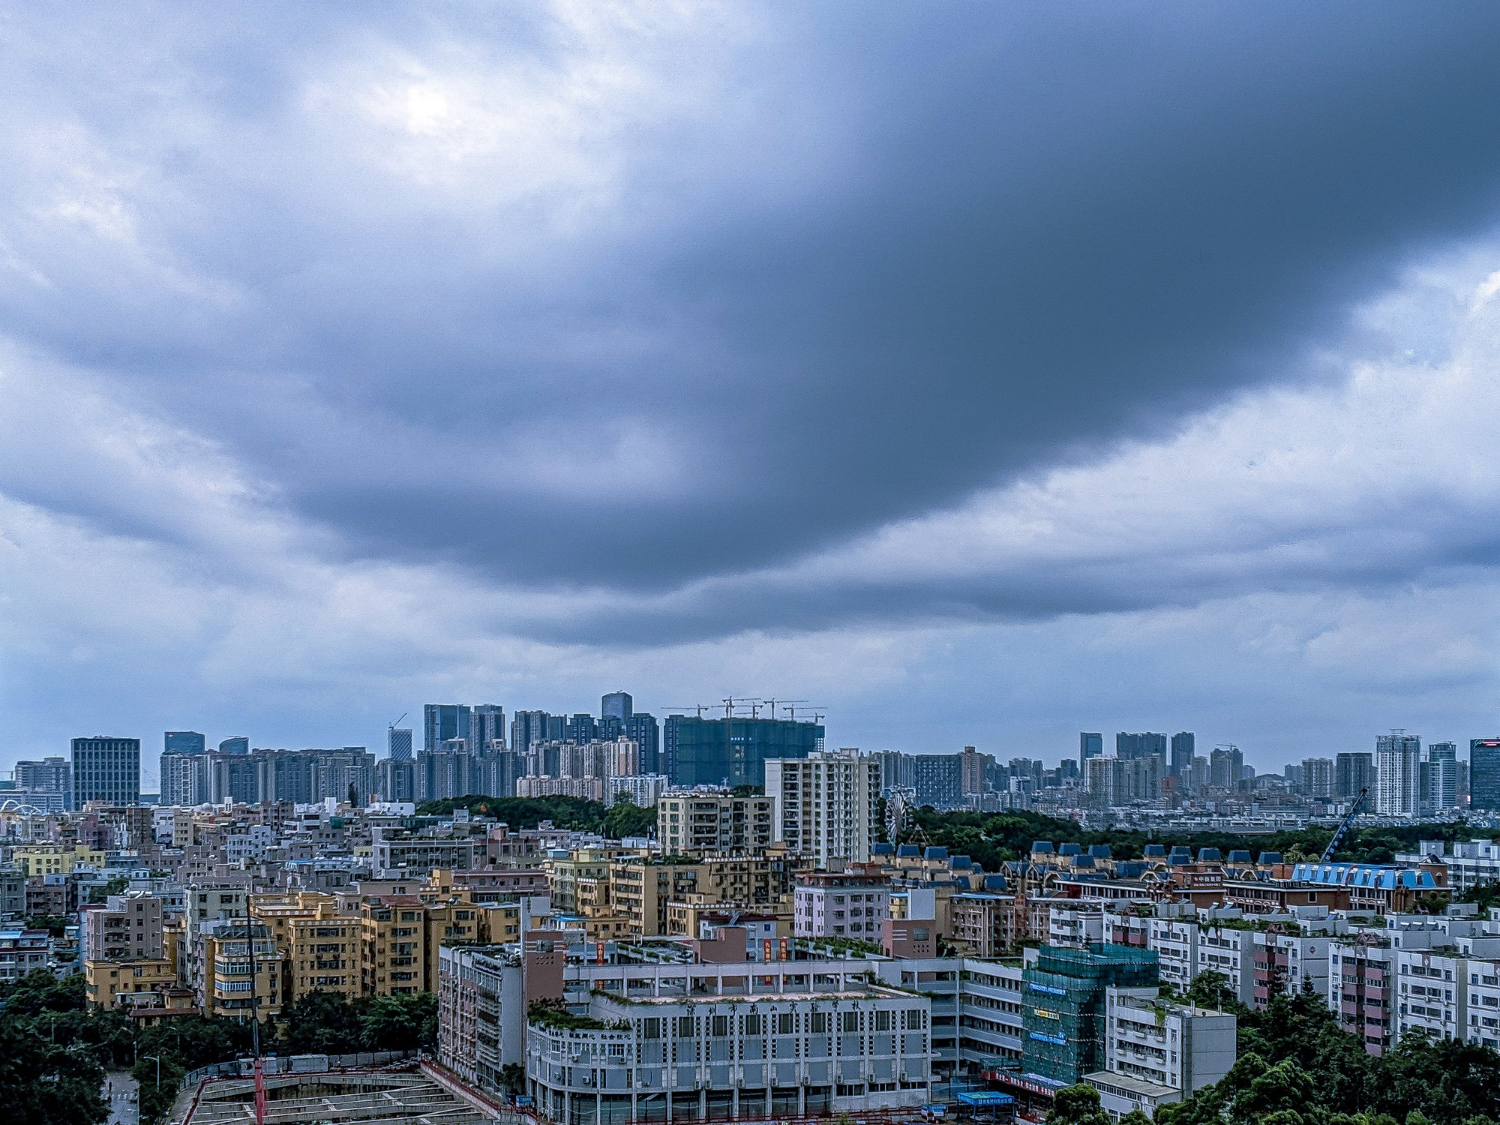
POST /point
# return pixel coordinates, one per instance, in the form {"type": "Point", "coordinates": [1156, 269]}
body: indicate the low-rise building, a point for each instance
{"type": "Point", "coordinates": [1156, 1052]}
{"type": "Point", "coordinates": [717, 1058]}
{"type": "Point", "coordinates": [22, 951]}
{"type": "Point", "coordinates": [846, 904]}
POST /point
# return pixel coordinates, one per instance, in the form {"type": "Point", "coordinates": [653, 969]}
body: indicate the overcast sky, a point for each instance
{"type": "Point", "coordinates": [982, 373]}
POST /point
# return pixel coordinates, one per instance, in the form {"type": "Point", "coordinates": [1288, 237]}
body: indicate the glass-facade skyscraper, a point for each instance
{"type": "Point", "coordinates": [184, 742]}
{"type": "Point", "coordinates": [1184, 746]}
{"type": "Point", "coordinates": [486, 728]}
{"type": "Point", "coordinates": [106, 769]}
{"type": "Point", "coordinates": [617, 705]}
{"type": "Point", "coordinates": [442, 721]}
{"type": "Point", "coordinates": [1090, 745]}
{"type": "Point", "coordinates": [1131, 746]}
{"type": "Point", "coordinates": [398, 744]}
{"type": "Point", "coordinates": [1484, 773]}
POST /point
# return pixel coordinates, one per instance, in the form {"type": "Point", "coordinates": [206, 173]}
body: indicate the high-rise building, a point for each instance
{"type": "Point", "coordinates": [645, 732]}
{"type": "Point", "coordinates": [714, 821]}
{"type": "Point", "coordinates": [617, 705]}
{"type": "Point", "coordinates": [234, 777]}
{"type": "Point", "coordinates": [1484, 773]}
{"type": "Point", "coordinates": [582, 728]}
{"type": "Point", "coordinates": [1398, 775]}
{"type": "Point", "coordinates": [1128, 746]}
{"type": "Point", "coordinates": [972, 771]}
{"type": "Point", "coordinates": [1104, 782]}
{"type": "Point", "coordinates": [938, 780]}
{"type": "Point", "coordinates": [1090, 745]}
{"type": "Point", "coordinates": [1184, 746]}
{"type": "Point", "coordinates": [184, 779]}
{"type": "Point", "coordinates": [396, 779]}
{"type": "Point", "coordinates": [1351, 773]}
{"type": "Point", "coordinates": [733, 751]}
{"type": "Point", "coordinates": [398, 744]}
{"type": "Point", "coordinates": [1440, 779]}
{"type": "Point", "coordinates": [1317, 778]}
{"type": "Point", "coordinates": [47, 784]}
{"type": "Point", "coordinates": [238, 744]}
{"type": "Point", "coordinates": [826, 804]}
{"type": "Point", "coordinates": [442, 722]}
{"type": "Point", "coordinates": [184, 742]}
{"type": "Point", "coordinates": [1226, 765]}
{"type": "Point", "coordinates": [487, 729]}
{"type": "Point", "coordinates": [527, 727]}
{"type": "Point", "coordinates": [106, 769]}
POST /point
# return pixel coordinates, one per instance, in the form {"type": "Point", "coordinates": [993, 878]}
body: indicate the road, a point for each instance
{"type": "Point", "coordinates": [119, 1092]}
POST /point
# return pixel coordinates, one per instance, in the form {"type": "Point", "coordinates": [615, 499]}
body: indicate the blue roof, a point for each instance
{"type": "Point", "coordinates": [962, 863]}
{"type": "Point", "coordinates": [1367, 876]}
{"type": "Point", "coordinates": [1155, 851]}
{"type": "Point", "coordinates": [1209, 855]}
{"type": "Point", "coordinates": [1041, 845]}
{"type": "Point", "coordinates": [883, 849]}
{"type": "Point", "coordinates": [1239, 855]}
{"type": "Point", "coordinates": [1270, 857]}
{"type": "Point", "coordinates": [1100, 851]}
{"type": "Point", "coordinates": [936, 851]}
{"type": "Point", "coordinates": [1070, 849]}
{"type": "Point", "coordinates": [984, 1097]}
{"type": "Point", "coordinates": [994, 882]}
{"type": "Point", "coordinates": [1084, 861]}
{"type": "Point", "coordinates": [1181, 849]}
{"type": "Point", "coordinates": [908, 850]}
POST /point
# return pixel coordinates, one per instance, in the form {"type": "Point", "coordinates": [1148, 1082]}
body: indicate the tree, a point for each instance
{"type": "Point", "coordinates": [1211, 990]}
{"type": "Point", "coordinates": [158, 1080]}
{"type": "Point", "coordinates": [398, 1023]}
{"type": "Point", "coordinates": [321, 1023]}
{"type": "Point", "coordinates": [626, 818]}
{"type": "Point", "coordinates": [116, 886]}
{"type": "Point", "coordinates": [44, 1084]}
{"type": "Point", "coordinates": [1077, 1105]}
{"type": "Point", "coordinates": [194, 1041]}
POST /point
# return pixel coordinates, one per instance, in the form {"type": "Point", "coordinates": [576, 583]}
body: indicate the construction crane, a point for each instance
{"type": "Point", "coordinates": [817, 710]}
{"type": "Point", "coordinates": [392, 726]}
{"type": "Point", "coordinates": [787, 703]}
{"type": "Point", "coordinates": [698, 707]}
{"type": "Point", "coordinates": [1338, 833]}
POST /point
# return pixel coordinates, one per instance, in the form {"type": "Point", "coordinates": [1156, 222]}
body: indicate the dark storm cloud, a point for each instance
{"type": "Point", "coordinates": [1044, 229]}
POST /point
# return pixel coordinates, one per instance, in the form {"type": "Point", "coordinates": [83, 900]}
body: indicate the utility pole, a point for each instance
{"type": "Point", "coordinates": [254, 996]}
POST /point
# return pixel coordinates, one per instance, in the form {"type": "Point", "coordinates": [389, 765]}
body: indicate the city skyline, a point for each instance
{"type": "Point", "coordinates": [957, 374]}
{"type": "Point", "coordinates": [1113, 742]}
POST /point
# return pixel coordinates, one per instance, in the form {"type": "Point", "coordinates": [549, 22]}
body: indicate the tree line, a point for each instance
{"type": "Point", "coordinates": [1296, 1066]}
{"type": "Point", "coordinates": [578, 814]}
{"type": "Point", "coordinates": [54, 1049]}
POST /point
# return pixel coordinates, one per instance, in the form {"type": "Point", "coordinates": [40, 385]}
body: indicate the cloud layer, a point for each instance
{"type": "Point", "coordinates": [357, 361]}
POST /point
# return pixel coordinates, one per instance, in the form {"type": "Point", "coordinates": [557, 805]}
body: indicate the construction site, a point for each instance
{"type": "Point", "coordinates": [408, 1094]}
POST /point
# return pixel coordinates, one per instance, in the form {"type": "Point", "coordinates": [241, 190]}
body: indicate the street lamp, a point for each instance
{"type": "Point", "coordinates": [158, 1068]}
